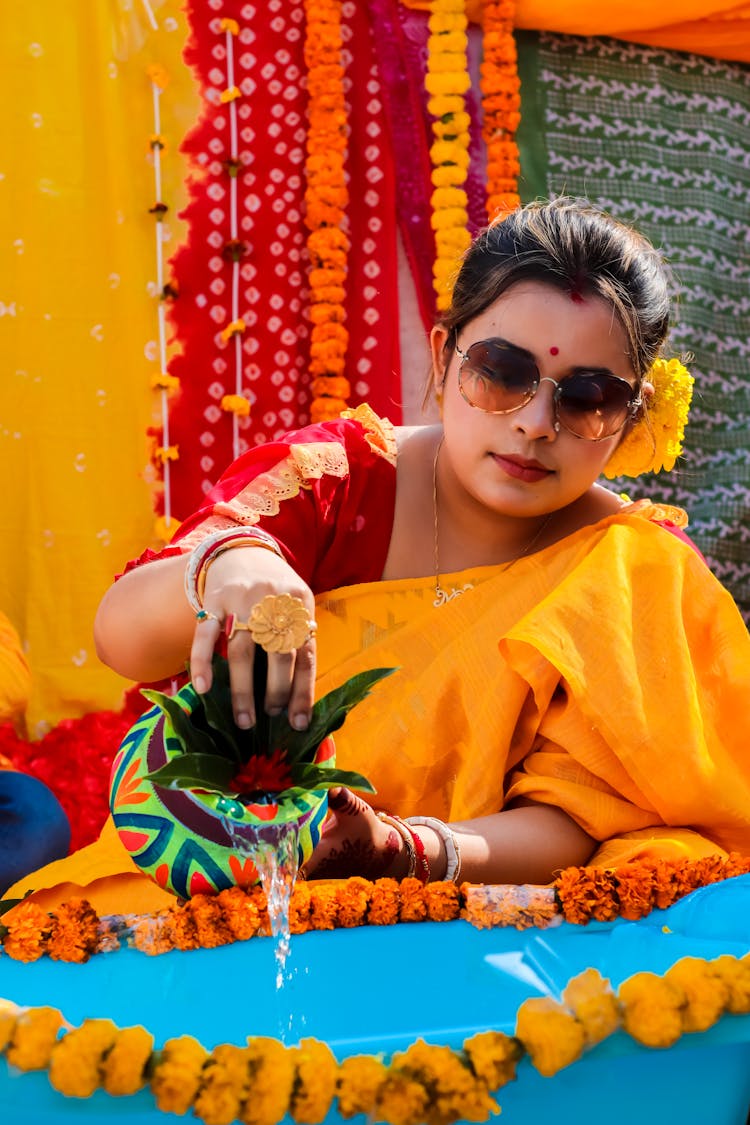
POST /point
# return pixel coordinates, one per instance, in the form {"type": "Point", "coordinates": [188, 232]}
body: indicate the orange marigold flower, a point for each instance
{"type": "Point", "coordinates": [28, 927]}
{"type": "Point", "coordinates": [585, 893]}
{"type": "Point", "coordinates": [635, 890]}
{"type": "Point", "coordinates": [240, 914]}
{"type": "Point", "coordinates": [326, 409]}
{"type": "Point", "coordinates": [402, 1100]}
{"type": "Point", "coordinates": [181, 928]}
{"type": "Point", "coordinates": [299, 908]}
{"type": "Point", "coordinates": [353, 898]}
{"type": "Point", "coordinates": [384, 904]}
{"type": "Point", "coordinates": [443, 901]}
{"type": "Point", "coordinates": [413, 903]}
{"type": "Point", "coordinates": [323, 906]}
{"type": "Point", "coordinates": [210, 927]}
{"type": "Point", "coordinates": [74, 933]}
{"type": "Point", "coordinates": [333, 386]}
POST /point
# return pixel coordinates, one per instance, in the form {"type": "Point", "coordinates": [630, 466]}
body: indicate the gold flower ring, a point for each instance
{"type": "Point", "coordinates": [279, 624]}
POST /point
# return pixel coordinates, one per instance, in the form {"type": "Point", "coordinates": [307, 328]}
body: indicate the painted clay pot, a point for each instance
{"type": "Point", "coordinates": [188, 842]}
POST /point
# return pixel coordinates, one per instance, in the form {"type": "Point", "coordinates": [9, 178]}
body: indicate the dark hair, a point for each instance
{"type": "Point", "coordinates": [572, 245]}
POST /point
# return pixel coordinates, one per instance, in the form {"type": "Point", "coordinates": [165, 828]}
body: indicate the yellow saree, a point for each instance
{"type": "Point", "coordinates": [608, 675]}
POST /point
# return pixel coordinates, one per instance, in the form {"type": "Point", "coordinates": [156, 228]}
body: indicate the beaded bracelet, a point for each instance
{"type": "Point", "coordinates": [211, 547]}
{"type": "Point", "coordinates": [405, 833]}
{"type": "Point", "coordinates": [448, 836]}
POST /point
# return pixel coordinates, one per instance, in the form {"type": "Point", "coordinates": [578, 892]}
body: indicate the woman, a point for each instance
{"type": "Point", "coordinates": [572, 681]}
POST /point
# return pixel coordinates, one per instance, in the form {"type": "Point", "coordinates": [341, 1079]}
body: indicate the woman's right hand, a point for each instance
{"type": "Point", "coordinates": [236, 581]}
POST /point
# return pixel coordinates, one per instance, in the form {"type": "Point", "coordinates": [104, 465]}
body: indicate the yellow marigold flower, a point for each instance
{"type": "Point", "coordinates": [224, 1085]}
{"type": "Point", "coordinates": [272, 1070]}
{"type": "Point", "coordinates": [734, 971]}
{"type": "Point", "coordinates": [651, 1009]}
{"type": "Point", "coordinates": [177, 1073]}
{"type": "Point", "coordinates": [493, 1057]}
{"type": "Point", "coordinates": [443, 104]}
{"type": "Point", "coordinates": [448, 175]}
{"type": "Point", "coordinates": [449, 218]}
{"type": "Point", "coordinates": [446, 62]}
{"type": "Point", "coordinates": [236, 404]}
{"type": "Point", "coordinates": [231, 26]}
{"type": "Point", "coordinates": [164, 530]}
{"type": "Point", "coordinates": [234, 326]}
{"type": "Point", "coordinates": [454, 126]}
{"type": "Point", "coordinates": [448, 197]}
{"type": "Point", "coordinates": [163, 381]}
{"type": "Point", "coordinates": [124, 1068]}
{"type": "Point", "coordinates": [75, 1065]}
{"type": "Point", "coordinates": [655, 442]}
{"type": "Point", "coordinates": [552, 1035]}
{"type": "Point", "coordinates": [454, 40]}
{"type": "Point", "coordinates": [167, 453]}
{"type": "Point", "coordinates": [592, 1001]}
{"type": "Point", "coordinates": [229, 95]}
{"type": "Point", "coordinates": [360, 1078]}
{"type": "Point", "coordinates": [401, 1100]}
{"type": "Point", "coordinates": [447, 21]}
{"type": "Point", "coordinates": [707, 995]}
{"type": "Point", "coordinates": [449, 152]}
{"type": "Point", "coordinates": [33, 1038]}
{"type": "Point", "coordinates": [453, 241]}
{"type": "Point", "coordinates": [455, 82]}
{"type": "Point", "coordinates": [315, 1083]}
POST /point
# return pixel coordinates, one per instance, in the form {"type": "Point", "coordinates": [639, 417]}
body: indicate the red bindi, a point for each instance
{"type": "Point", "coordinates": [576, 298]}
{"type": "Point", "coordinates": [554, 350]}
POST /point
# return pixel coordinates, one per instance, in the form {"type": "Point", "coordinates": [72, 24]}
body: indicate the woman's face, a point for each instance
{"type": "Point", "coordinates": [519, 463]}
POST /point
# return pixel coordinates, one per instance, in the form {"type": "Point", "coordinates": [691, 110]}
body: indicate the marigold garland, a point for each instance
{"type": "Point", "coordinates": [655, 441]}
{"type": "Point", "coordinates": [74, 932]}
{"type": "Point", "coordinates": [261, 1083]}
{"type": "Point", "coordinates": [446, 81]}
{"type": "Point", "coordinates": [501, 107]}
{"type": "Point", "coordinates": [326, 199]}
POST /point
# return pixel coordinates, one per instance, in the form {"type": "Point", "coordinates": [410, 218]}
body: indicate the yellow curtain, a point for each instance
{"type": "Point", "coordinates": [716, 29]}
{"type": "Point", "coordinates": [78, 317]}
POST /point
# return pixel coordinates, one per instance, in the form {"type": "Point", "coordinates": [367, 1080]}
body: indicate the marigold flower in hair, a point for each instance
{"type": "Point", "coordinates": [655, 441]}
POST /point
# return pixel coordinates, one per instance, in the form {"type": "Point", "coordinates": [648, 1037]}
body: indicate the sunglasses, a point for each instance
{"type": "Point", "coordinates": [498, 378]}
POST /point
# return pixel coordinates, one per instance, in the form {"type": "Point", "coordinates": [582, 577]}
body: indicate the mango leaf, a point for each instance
{"type": "Point", "coordinates": [195, 771]}
{"type": "Point", "coordinates": [328, 714]}
{"type": "Point", "coordinates": [217, 705]}
{"type": "Point", "coordinates": [318, 777]}
{"type": "Point", "coordinates": [189, 737]}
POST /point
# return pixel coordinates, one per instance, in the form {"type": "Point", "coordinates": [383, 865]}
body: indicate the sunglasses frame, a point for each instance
{"type": "Point", "coordinates": [632, 408]}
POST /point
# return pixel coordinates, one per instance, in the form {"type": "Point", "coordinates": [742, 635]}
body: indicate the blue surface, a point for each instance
{"type": "Point", "coordinates": [377, 989]}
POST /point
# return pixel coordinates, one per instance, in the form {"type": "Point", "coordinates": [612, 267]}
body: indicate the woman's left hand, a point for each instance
{"type": "Point", "coordinates": [354, 841]}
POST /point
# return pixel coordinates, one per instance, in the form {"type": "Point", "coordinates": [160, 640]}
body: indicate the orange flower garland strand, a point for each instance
{"type": "Point", "coordinates": [264, 1081]}
{"type": "Point", "coordinates": [326, 198]}
{"type": "Point", "coordinates": [446, 81]}
{"type": "Point", "coordinates": [74, 932]}
{"type": "Point", "coordinates": [501, 106]}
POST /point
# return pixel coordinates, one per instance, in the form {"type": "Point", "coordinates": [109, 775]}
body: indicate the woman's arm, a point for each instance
{"type": "Point", "coordinates": [528, 843]}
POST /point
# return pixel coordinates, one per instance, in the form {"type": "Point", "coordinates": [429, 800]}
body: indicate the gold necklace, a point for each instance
{"type": "Point", "coordinates": [443, 596]}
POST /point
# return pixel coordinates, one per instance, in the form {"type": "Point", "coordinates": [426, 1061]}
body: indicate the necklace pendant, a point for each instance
{"type": "Point", "coordinates": [445, 596]}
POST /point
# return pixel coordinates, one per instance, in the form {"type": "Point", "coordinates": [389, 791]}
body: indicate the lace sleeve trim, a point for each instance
{"type": "Point", "coordinates": [379, 432]}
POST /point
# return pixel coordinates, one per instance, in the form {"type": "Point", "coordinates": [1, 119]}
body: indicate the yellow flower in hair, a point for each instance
{"type": "Point", "coordinates": [655, 441]}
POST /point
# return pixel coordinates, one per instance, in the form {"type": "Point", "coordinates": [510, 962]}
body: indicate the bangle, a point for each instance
{"type": "Point", "coordinates": [201, 557]}
{"type": "Point", "coordinates": [422, 871]}
{"type": "Point", "coordinates": [405, 833]}
{"type": "Point", "coordinates": [448, 836]}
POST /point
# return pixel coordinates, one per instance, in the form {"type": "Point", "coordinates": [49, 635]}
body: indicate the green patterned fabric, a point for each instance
{"type": "Point", "coordinates": [662, 140]}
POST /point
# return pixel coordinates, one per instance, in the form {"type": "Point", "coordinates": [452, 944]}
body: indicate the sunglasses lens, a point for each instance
{"type": "Point", "coordinates": [496, 379]}
{"type": "Point", "coordinates": [594, 406]}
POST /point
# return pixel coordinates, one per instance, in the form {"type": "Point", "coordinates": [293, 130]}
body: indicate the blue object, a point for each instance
{"type": "Point", "coordinates": [377, 989]}
{"type": "Point", "coordinates": [34, 829]}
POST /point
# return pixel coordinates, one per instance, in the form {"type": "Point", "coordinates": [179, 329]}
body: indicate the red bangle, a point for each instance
{"type": "Point", "coordinates": [422, 869]}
